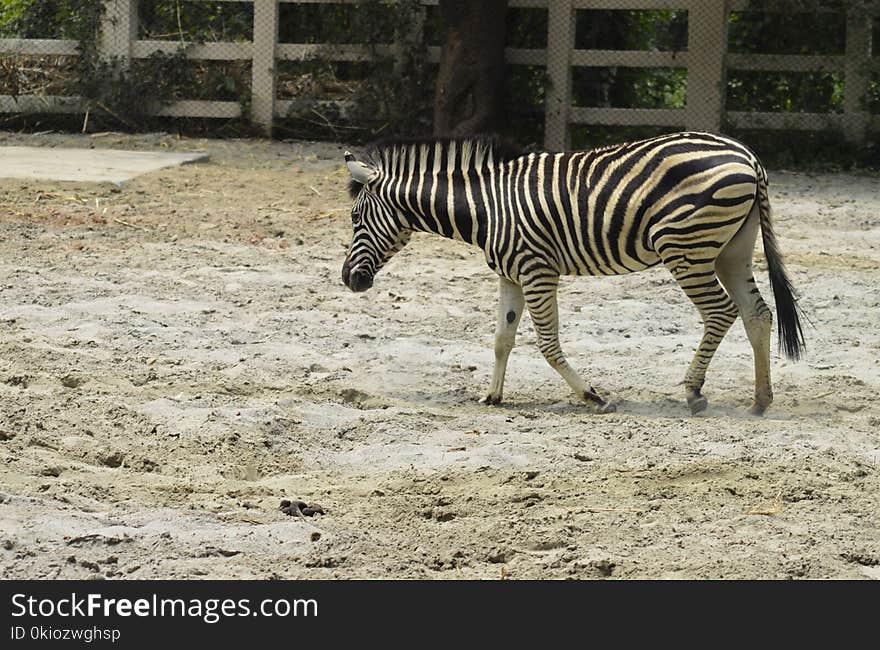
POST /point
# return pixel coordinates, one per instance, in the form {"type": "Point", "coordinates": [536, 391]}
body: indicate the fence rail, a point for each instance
{"type": "Point", "coordinates": [706, 62]}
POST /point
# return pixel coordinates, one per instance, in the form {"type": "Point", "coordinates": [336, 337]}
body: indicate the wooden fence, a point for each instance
{"type": "Point", "coordinates": [706, 62]}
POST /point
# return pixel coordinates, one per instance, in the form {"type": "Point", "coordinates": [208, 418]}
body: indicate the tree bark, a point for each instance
{"type": "Point", "coordinates": [471, 81]}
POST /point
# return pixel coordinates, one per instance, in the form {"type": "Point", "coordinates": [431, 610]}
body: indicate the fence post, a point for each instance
{"type": "Point", "coordinates": [706, 73]}
{"type": "Point", "coordinates": [263, 63]}
{"type": "Point", "coordinates": [118, 29]}
{"type": "Point", "coordinates": [855, 89]}
{"type": "Point", "coordinates": [557, 100]}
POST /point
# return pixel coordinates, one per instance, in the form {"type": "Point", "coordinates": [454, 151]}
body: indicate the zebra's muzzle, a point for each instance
{"type": "Point", "coordinates": [357, 280]}
{"type": "Point", "coordinates": [360, 280]}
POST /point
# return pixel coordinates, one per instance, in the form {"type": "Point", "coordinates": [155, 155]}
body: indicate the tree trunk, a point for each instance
{"type": "Point", "coordinates": [471, 80]}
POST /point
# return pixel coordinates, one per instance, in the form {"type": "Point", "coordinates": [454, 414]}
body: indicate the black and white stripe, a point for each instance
{"type": "Point", "coordinates": [691, 201]}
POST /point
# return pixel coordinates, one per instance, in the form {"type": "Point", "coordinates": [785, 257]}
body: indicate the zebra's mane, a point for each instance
{"type": "Point", "coordinates": [481, 150]}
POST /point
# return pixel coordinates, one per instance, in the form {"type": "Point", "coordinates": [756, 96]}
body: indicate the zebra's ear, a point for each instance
{"type": "Point", "coordinates": [360, 172]}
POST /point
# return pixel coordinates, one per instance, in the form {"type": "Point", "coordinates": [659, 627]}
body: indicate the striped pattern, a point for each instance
{"type": "Point", "coordinates": [691, 201]}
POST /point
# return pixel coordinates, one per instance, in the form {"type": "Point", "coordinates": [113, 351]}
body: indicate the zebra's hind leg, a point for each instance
{"type": "Point", "coordinates": [734, 269]}
{"type": "Point", "coordinates": [699, 282]}
{"type": "Point", "coordinates": [540, 296]}
{"type": "Point", "coordinates": [510, 309]}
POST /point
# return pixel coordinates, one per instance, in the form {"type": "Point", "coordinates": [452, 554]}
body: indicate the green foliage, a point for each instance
{"type": "Point", "coordinates": [820, 151]}
{"type": "Point", "coordinates": [526, 86]}
{"type": "Point", "coordinates": [125, 93]}
{"type": "Point", "coordinates": [373, 22]}
{"type": "Point", "coordinates": [629, 87]}
{"type": "Point", "coordinates": [819, 33]}
{"type": "Point", "coordinates": [198, 22]}
{"type": "Point", "coordinates": [132, 93]}
{"type": "Point", "coordinates": [873, 99]}
{"type": "Point", "coordinates": [525, 28]}
{"type": "Point", "coordinates": [11, 13]}
{"type": "Point", "coordinates": [70, 19]}
{"type": "Point", "coordinates": [664, 30]}
{"type": "Point", "coordinates": [786, 92]}
{"type": "Point", "coordinates": [391, 95]}
{"type": "Point", "coordinates": [585, 136]}
{"type": "Point", "coordinates": [787, 33]}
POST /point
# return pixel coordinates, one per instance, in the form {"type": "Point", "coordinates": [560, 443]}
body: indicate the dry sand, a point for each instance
{"type": "Point", "coordinates": [179, 356]}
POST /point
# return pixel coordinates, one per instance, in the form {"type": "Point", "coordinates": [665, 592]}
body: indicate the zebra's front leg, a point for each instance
{"type": "Point", "coordinates": [510, 309]}
{"type": "Point", "coordinates": [540, 296]}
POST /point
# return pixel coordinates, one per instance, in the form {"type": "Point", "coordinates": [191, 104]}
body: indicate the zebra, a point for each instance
{"type": "Point", "coordinates": [691, 201]}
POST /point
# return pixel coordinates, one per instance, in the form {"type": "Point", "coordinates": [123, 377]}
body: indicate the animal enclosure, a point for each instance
{"type": "Point", "coordinates": [702, 61]}
{"type": "Point", "coordinates": [179, 357]}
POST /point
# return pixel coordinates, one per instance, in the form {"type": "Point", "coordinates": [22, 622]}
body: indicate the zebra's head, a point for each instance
{"type": "Point", "coordinates": [378, 229]}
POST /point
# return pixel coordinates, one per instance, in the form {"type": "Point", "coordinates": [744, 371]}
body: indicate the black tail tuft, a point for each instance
{"type": "Point", "coordinates": [788, 311]}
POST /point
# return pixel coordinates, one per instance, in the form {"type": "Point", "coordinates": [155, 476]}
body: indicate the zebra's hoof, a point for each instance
{"type": "Point", "coordinates": [491, 400]}
{"type": "Point", "coordinates": [607, 407]}
{"type": "Point", "coordinates": [763, 399]}
{"type": "Point", "coordinates": [697, 404]}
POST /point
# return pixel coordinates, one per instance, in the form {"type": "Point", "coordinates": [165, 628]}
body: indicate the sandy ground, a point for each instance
{"type": "Point", "coordinates": [179, 356]}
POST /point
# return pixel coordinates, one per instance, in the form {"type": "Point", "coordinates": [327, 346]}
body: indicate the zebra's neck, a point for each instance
{"type": "Point", "coordinates": [442, 187]}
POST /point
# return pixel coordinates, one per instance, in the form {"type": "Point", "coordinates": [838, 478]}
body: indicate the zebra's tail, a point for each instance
{"type": "Point", "coordinates": [788, 311]}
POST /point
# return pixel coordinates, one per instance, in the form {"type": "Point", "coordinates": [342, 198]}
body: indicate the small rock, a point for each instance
{"type": "Point", "coordinates": [603, 567]}
{"type": "Point", "coordinates": [72, 381]}
{"type": "Point", "coordinates": [143, 377]}
{"type": "Point", "coordinates": [113, 460]}
{"type": "Point", "coordinates": [294, 508]}
{"type": "Point", "coordinates": [353, 396]}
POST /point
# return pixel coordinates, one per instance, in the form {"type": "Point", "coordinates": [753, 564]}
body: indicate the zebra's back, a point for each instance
{"type": "Point", "coordinates": [619, 209]}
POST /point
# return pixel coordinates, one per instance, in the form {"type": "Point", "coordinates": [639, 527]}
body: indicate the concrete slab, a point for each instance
{"type": "Point", "coordinates": [89, 165]}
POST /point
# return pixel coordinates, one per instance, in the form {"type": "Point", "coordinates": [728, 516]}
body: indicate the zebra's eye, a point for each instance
{"type": "Point", "coordinates": [355, 218]}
